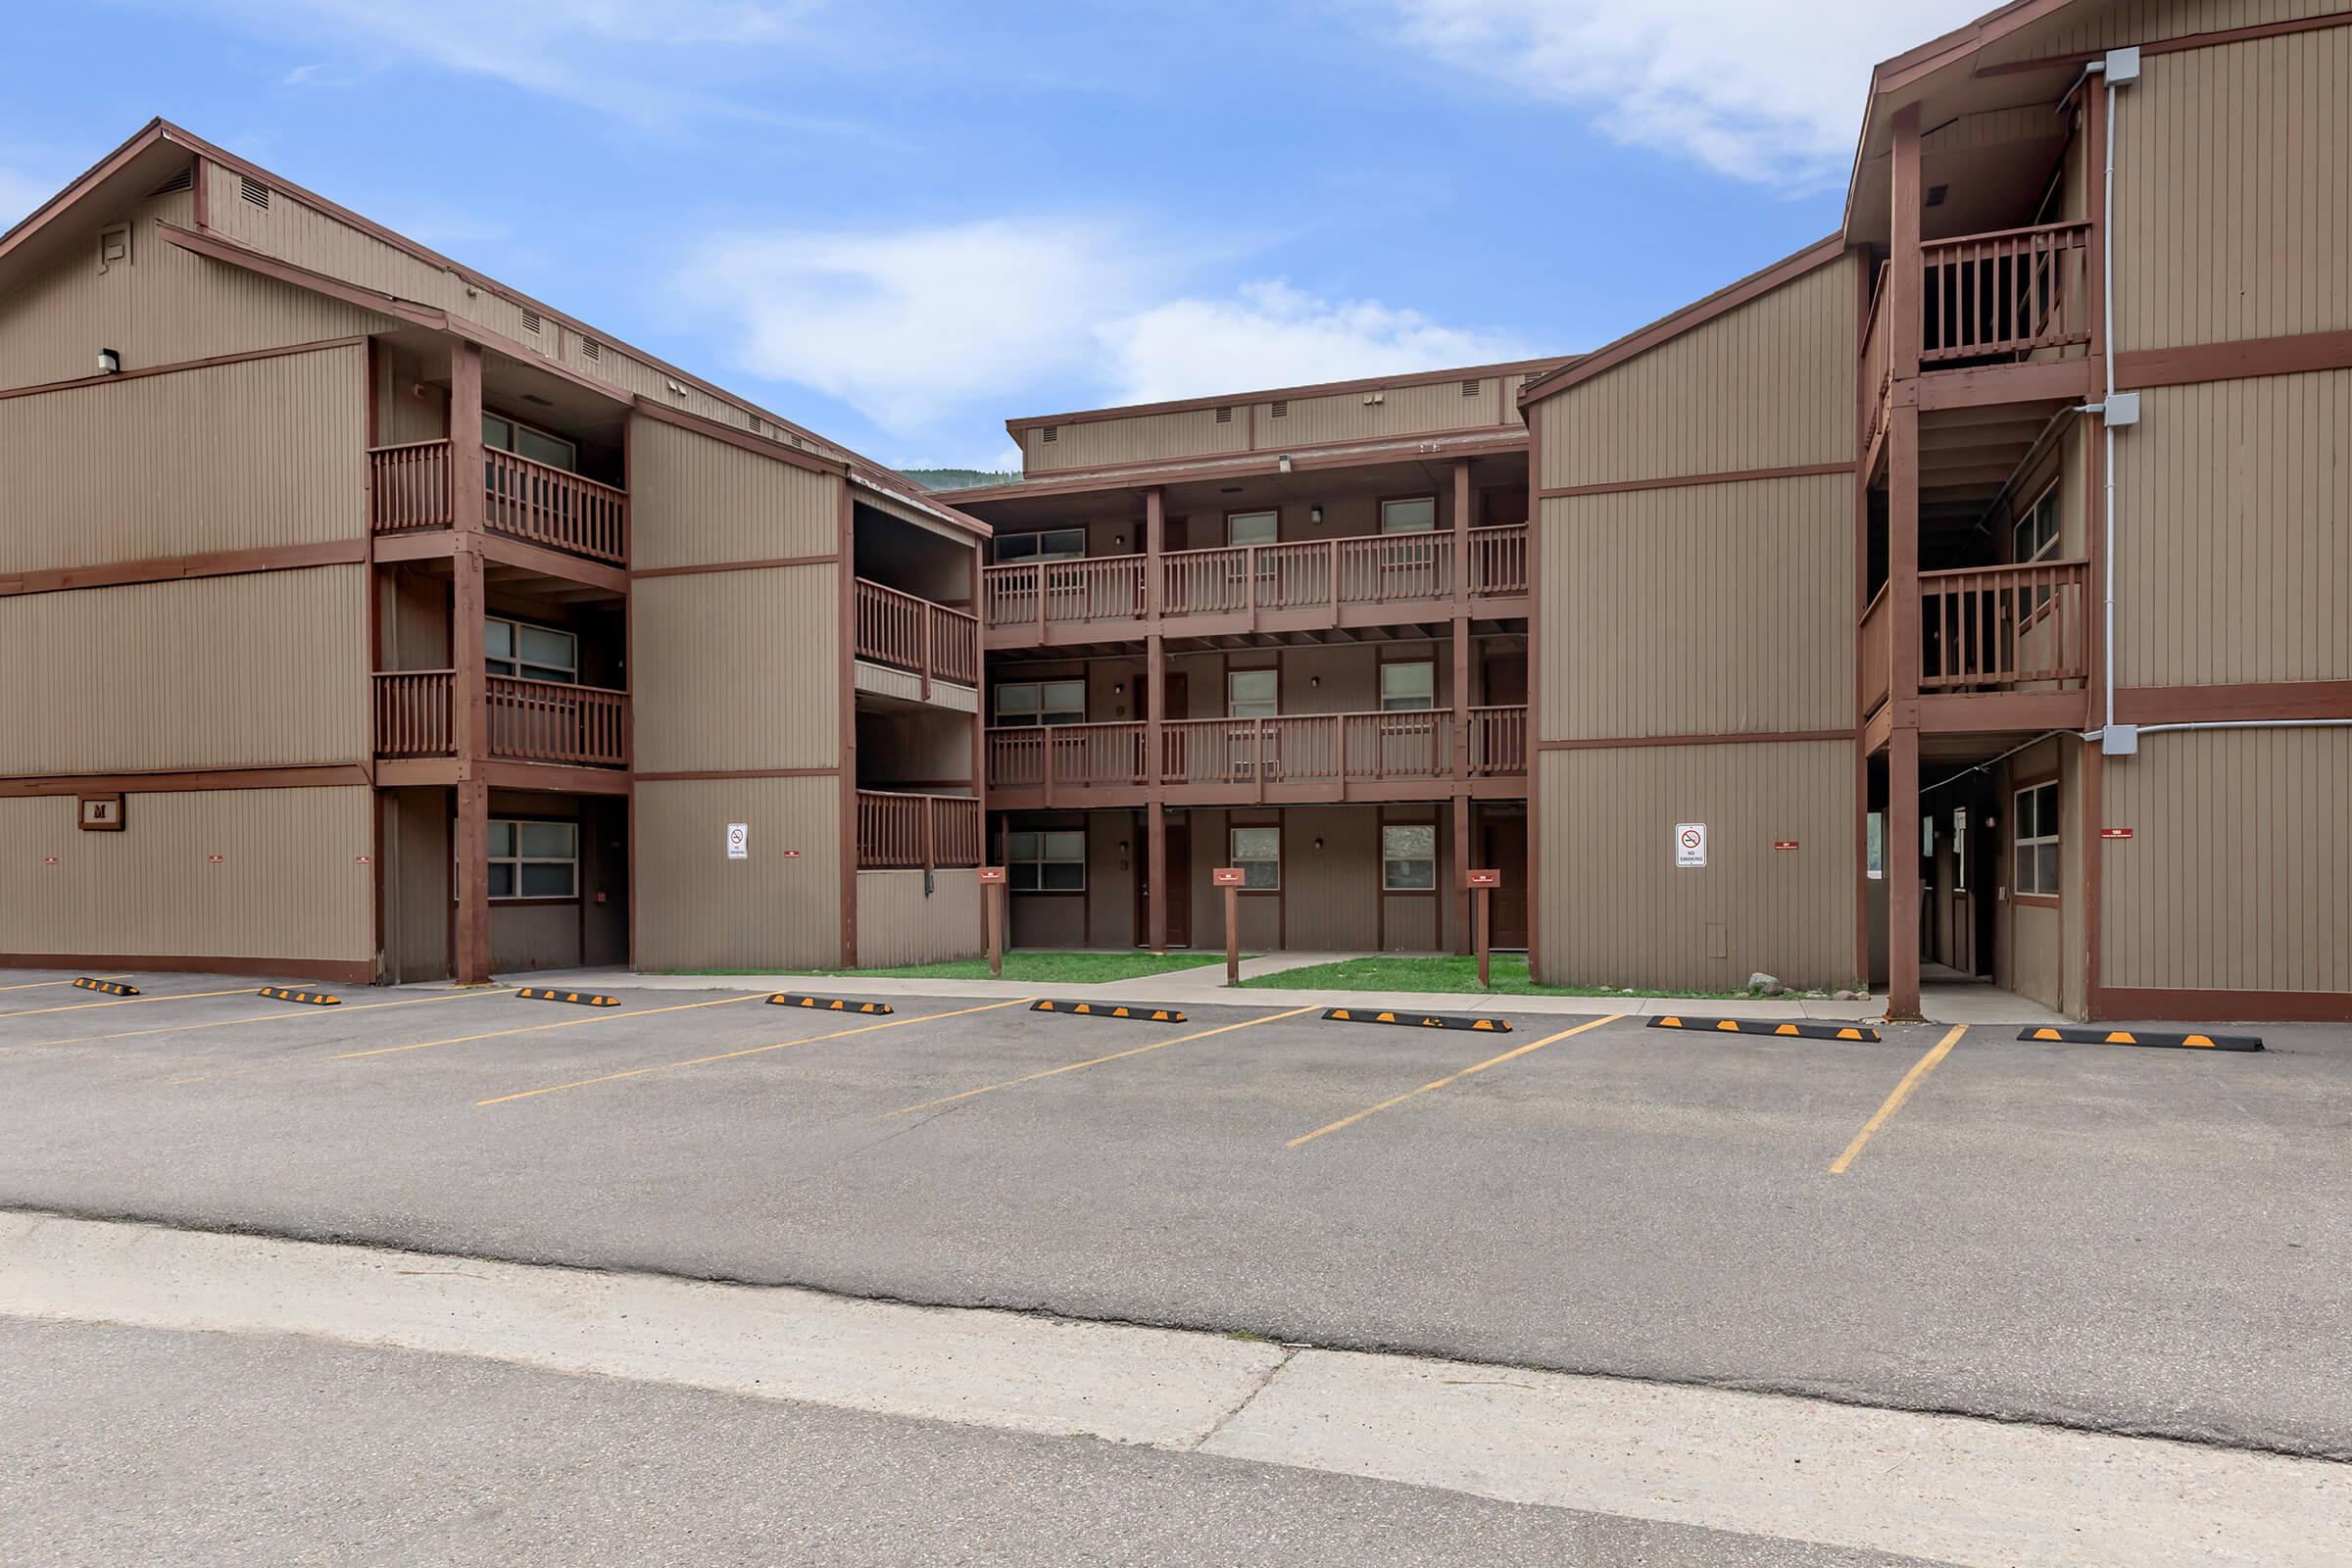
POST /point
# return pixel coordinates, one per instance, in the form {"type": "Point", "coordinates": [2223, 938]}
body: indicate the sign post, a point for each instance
{"type": "Point", "coordinates": [1484, 883]}
{"type": "Point", "coordinates": [1229, 877]}
{"type": "Point", "coordinates": [991, 878]}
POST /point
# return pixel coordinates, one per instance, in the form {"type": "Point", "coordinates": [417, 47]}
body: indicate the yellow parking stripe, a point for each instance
{"type": "Point", "coordinates": [230, 1023]}
{"type": "Point", "coordinates": [1449, 1078]}
{"type": "Point", "coordinates": [598, 1016]}
{"type": "Point", "coordinates": [35, 985]}
{"type": "Point", "coordinates": [129, 1002]}
{"type": "Point", "coordinates": [730, 1055]}
{"type": "Point", "coordinates": [1092, 1061]}
{"type": "Point", "coordinates": [1902, 1092]}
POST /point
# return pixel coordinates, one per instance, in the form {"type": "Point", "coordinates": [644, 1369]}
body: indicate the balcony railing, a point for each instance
{"type": "Point", "coordinates": [1877, 372]}
{"type": "Point", "coordinates": [914, 634]}
{"type": "Point", "coordinates": [408, 487]}
{"type": "Point", "coordinates": [916, 832]}
{"type": "Point", "coordinates": [1876, 650]}
{"type": "Point", "coordinates": [1292, 749]}
{"type": "Point", "coordinates": [2009, 293]}
{"type": "Point", "coordinates": [530, 720]}
{"type": "Point", "coordinates": [1248, 581]}
{"type": "Point", "coordinates": [2003, 626]}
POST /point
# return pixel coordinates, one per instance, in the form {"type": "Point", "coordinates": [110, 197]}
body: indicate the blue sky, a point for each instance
{"type": "Point", "coordinates": [900, 221]}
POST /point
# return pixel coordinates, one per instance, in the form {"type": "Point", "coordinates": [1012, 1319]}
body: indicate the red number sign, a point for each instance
{"type": "Point", "coordinates": [992, 873]}
{"type": "Point", "coordinates": [1483, 879]}
{"type": "Point", "coordinates": [1226, 876]}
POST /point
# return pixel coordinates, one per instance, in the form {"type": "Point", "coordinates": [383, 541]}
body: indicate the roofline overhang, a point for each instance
{"type": "Point", "coordinates": [1368, 383]}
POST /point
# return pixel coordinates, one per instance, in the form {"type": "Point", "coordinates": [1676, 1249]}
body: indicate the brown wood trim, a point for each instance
{"type": "Point", "coordinates": [1801, 470]}
{"type": "Point", "coordinates": [1536, 970]}
{"type": "Point", "coordinates": [215, 247]}
{"type": "Point", "coordinates": [316, 346]}
{"type": "Point", "coordinates": [1982, 386]}
{"type": "Point", "coordinates": [691, 775]}
{"type": "Point", "coordinates": [744, 440]}
{"type": "Point", "coordinates": [176, 568]}
{"type": "Point", "coordinates": [1318, 389]}
{"type": "Point", "coordinates": [324, 775]}
{"type": "Point", "coordinates": [844, 695]}
{"type": "Point", "coordinates": [1967, 712]}
{"type": "Point", "coordinates": [734, 565]}
{"type": "Point", "coordinates": [2239, 361]}
{"type": "Point", "coordinates": [1472, 443]}
{"type": "Point", "coordinates": [1696, 313]}
{"type": "Point", "coordinates": [2035, 901]}
{"type": "Point", "coordinates": [561, 778]}
{"type": "Point", "coordinates": [2166, 1003]}
{"type": "Point", "coordinates": [1745, 739]}
{"type": "Point", "coordinates": [339, 971]}
{"type": "Point", "coordinates": [2193, 705]}
{"type": "Point", "coordinates": [2171, 46]}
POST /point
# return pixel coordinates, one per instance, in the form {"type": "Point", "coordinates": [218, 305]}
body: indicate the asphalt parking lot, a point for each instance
{"type": "Point", "coordinates": [2129, 1239]}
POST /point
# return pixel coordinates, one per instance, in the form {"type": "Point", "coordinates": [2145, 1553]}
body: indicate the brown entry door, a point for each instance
{"type": "Point", "coordinates": [1502, 845]}
{"type": "Point", "coordinates": [1180, 882]}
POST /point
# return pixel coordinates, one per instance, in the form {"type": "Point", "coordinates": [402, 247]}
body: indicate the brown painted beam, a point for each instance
{"type": "Point", "coordinates": [178, 568]}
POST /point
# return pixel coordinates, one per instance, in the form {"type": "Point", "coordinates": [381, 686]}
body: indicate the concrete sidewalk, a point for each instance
{"type": "Point", "coordinates": [1768, 1468]}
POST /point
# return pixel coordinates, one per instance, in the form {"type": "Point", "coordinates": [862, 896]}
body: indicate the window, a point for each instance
{"type": "Point", "coordinates": [1046, 862]}
{"type": "Point", "coordinates": [1960, 849]}
{"type": "Point", "coordinates": [1252, 693]}
{"type": "Point", "coordinates": [1060, 544]}
{"type": "Point", "coordinates": [1407, 688]}
{"type": "Point", "coordinates": [2035, 534]}
{"type": "Point", "coordinates": [1876, 850]}
{"type": "Point", "coordinates": [1252, 528]}
{"type": "Point", "coordinates": [1408, 858]}
{"type": "Point", "coordinates": [2036, 833]}
{"type": "Point", "coordinates": [1041, 701]}
{"type": "Point", "coordinates": [1258, 851]}
{"type": "Point", "coordinates": [534, 653]}
{"type": "Point", "coordinates": [534, 859]}
{"type": "Point", "coordinates": [506, 435]}
{"type": "Point", "coordinates": [1417, 515]}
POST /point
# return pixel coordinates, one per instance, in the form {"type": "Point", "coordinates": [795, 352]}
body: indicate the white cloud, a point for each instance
{"type": "Point", "coordinates": [957, 326]}
{"type": "Point", "coordinates": [1771, 93]}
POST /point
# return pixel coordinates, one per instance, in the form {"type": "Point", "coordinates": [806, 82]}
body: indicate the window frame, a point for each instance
{"type": "Point", "coordinates": [1387, 861]}
{"type": "Point", "coordinates": [2032, 517]}
{"type": "Point", "coordinates": [1037, 718]}
{"type": "Point", "coordinates": [1385, 502]}
{"type": "Point", "coordinates": [1040, 555]}
{"type": "Point", "coordinates": [2024, 848]}
{"type": "Point", "coordinates": [517, 861]}
{"type": "Point", "coordinates": [1428, 706]}
{"type": "Point", "coordinates": [571, 449]}
{"type": "Point", "coordinates": [1272, 515]}
{"type": "Point", "coordinates": [1235, 857]}
{"type": "Point", "coordinates": [1272, 670]}
{"type": "Point", "coordinates": [1035, 863]}
{"type": "Point", "coordinates": [513, 657]}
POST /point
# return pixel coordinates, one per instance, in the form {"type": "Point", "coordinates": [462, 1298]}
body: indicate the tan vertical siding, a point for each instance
{"type": "Point", "coordinates": [1767, 385]}
{"type": "Point", "coordinates": [2234, 193]}
{"type": "Point", "coordinates": [696, 908]}
{"type": "Point", "coordinates": [163, 307]}
{"type": "Point", "coordinates": [236, 457]}
{"type": "Point", "coordinates": [1400, 410]}
{"type": "Point", "coordinates": [1087, 443]}
{"type": "Point", "coordinates": [897, 923]}
{"type": "Point", "coordinates": [2233, 558]}
{"type": "Point", "coordinates": [1614, 910]}
{"type": "Point", "coordinates": [408, 406]}
{"type": "Point", "coordinates": [1332, 894]}
{"type": "Point", "coordinates": [289, 882]}
{"type": "Point", "coordinates": [695, 500]}
{"type": "Point", "coordinates": [2085, 30]}
{"type": "Point", "coordinates": [2235, 878]}
{"type": "Point", "coordinates": [737, 670]}
{"type": "Point", "coordinates": [1110, 879]}
{"type": "Point", "coordinates": [416, 884]}
{"type": "Point", "coordinates": [1697, 611]}
{"type": "Point", "coordinates": [269, 670]}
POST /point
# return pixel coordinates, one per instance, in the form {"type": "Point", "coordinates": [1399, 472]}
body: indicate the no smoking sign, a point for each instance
{"type": "Point", "coordinates": [1689, 845]}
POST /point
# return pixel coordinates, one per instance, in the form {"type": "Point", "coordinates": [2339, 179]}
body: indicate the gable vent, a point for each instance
{"type": "Point", "coordinates": [1052, 433]}
{"type": "Point", "coordinates": [592, 348]}
{"type": "Point", "coordinates": [1282, 410]}
{"type": "Point", "coordinates": [1224, 416]}
{"type": "Point", "coordinates": [1471, 386]}
{"type": "Point", "coordinates": [254, 191]}
{"type": "Point", "coordinates": [185, 180]}
{"type": "Point", "coordinates": [530, 320]}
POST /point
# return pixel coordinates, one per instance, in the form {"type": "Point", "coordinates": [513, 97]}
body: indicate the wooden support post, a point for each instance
{"type": "Point", "coordinates": [1463, 503]}
{"type": "Point", "coordinates": [1461, 863]}
{"type": "Point", "coordinates": [1232, 936]}
{"type": "Point", "coordinates": [992, 882]}
{"type": "Point", "coordinates": [1905, 281]}
{"type": "Point", "coordinates": [472, 830]}
{"type": "Point", "coordinates": [1485, 982]}
{"type": "Point", "coordinates": [469, 686]}
{"type": "Point", "coordinates": [1905, 291]}
{"type": "Point", "coordinates": [1155, 702]}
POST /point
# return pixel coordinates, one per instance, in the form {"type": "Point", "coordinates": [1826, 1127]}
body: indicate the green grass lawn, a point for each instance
{"type": "Point", "coordinates": [1447, 974]}
{"type": "Point", "coordinates": [1030, 966]}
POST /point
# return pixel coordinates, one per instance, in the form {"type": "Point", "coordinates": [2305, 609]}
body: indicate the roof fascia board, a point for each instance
{"type": "Point", "coordinates": [1369, 383]}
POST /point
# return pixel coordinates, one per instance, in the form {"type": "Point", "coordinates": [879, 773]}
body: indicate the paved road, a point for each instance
{"type": "Point", "coordinates": [2124, 1239]}
{"type": "Point", "coordinates": [126, 1445]}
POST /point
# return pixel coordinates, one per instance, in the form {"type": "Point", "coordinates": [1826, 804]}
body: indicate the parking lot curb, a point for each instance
{"type": "Point", "coordinates": [1758, 1026]}
{"type": "Point", "coordinates": [1105, 1010]}
{"type": "Point", "coordinates": [586, 999]}
{"type": "Point", "coordinates": [316, 999]}
{"type": "Point", "coordinates": [112, 988]}
{"type": "Point", "coordinates": [1419, 1020]}
{"type": "Point", "coordinates": [793, 999]}
{"type": "Point", "coordinates": [2162, 1038]}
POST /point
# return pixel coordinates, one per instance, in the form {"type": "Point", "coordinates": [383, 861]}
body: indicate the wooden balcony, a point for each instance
{"type": "Point", "coordinates": [1301, 586]}
{"type": "Point", "coordinates": [899, 832]}
{"type": "Point", "coordinates": [915, 635]}
{"type": "Point", "coordinates": [529, 720]}
{"type": "Point", "coordinates": [2001, 648]}
{"type": "Point", "coordinates": [1235, 761]}
{"type": "Point", "coordinates": [1875, 653]}
{"type": "Point", "coordinates": [409, 491]}
{"type": "Point", "coordinates": [2006, 295]}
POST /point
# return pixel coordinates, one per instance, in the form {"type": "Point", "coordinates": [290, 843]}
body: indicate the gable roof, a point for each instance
{"type": "Point", "coordinates": [158, 147]}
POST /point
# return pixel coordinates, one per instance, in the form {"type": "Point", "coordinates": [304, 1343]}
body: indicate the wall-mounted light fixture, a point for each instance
{"type": "Point", "coordinates": [1118, 688]}
{"type": "Point", "coordinates": [1318, 843]}
{"type": "Point", "coordinates": [1284, 463]}
{"type": "Point", "coordinates": [1314, 514]}
{"type": "Point", "coordinates": [1315, 682]}
{"type": "Point", "coordinates": [109, 363]}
